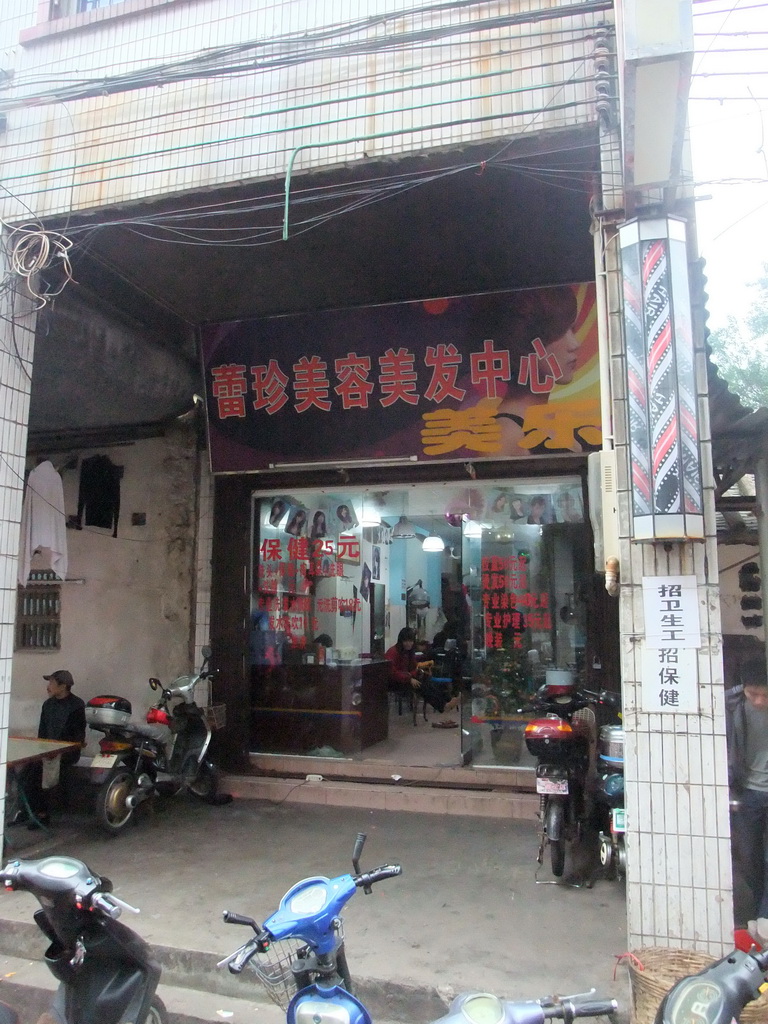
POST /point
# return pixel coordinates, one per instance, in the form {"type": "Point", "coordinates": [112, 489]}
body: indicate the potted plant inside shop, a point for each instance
{"type": "Point", "coordinates": [506, 688]}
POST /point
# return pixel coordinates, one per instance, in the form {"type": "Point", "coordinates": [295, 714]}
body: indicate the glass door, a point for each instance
{"type": "Point", "coordinates": [527, 567]}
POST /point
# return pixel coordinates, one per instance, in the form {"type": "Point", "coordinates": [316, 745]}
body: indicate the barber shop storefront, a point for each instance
{"type": "Point", "coordinates": [417, 466]}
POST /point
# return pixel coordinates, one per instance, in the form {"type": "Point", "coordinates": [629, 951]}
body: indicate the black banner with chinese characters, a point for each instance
{"type": "Point", "coordinates": [498, 376]}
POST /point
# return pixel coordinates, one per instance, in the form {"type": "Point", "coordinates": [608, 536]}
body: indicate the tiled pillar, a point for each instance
{"type": "Point", "coordinates": [679, 887]}
{"type": "Point", "coordinates": [17, 343]}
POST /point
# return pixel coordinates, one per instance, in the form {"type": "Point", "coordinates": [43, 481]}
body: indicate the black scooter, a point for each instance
{"type": "Point", "coordinates": [718, 994]}
{"type": "Point", "coordinates": [106, 972]}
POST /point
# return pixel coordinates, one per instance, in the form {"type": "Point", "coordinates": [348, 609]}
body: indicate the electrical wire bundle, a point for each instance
{"type": "Point", "coordinates": [31, 251]}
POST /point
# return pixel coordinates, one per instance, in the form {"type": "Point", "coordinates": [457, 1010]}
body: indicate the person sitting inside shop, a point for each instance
{"type": "Point", "coordinates": [449, 651]}
{"type": "Point", "coordinates": [62, 717]}
{"type": "Point", "coordinates": [405, 676]}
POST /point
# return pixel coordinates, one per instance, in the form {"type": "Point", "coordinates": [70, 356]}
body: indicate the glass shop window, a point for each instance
{"type": "Point", "coordinates": [496, 573]}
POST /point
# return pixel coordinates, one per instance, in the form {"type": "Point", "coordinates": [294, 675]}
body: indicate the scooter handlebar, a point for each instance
{"type": "Point", "coordinates": [367, 878]}
{"type": "Point", "coordinates": [112, 905]}
{"type": "Point", "coordinates": [569, 1010]}
{"type": "Point", "coordinates": [230, 917]}
{"type": "Point", "coordinates": [472, 1008]}
{"type": "Point", "coordinates": [236, 962]}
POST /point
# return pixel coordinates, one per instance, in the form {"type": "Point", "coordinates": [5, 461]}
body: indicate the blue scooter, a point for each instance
{"type": "Point", "coordinates": [298, 954]}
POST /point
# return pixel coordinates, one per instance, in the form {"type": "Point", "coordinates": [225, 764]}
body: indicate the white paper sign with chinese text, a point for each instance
{"type": "Point", "coordinates": [671, 611]}
{"type": "Point", "coordinates": [670, 680]}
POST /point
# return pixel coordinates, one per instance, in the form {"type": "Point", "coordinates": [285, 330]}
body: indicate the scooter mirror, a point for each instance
{"type": "Point", "coordinates": [206, 652]}
{"type": "Point", "coordinates": [155, 683]}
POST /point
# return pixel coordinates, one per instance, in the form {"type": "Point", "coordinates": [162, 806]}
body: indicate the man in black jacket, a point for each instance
{"type": "Point", "coordinates": [747, 731]}
{"type": "Point", "coordinates": [62, 717]}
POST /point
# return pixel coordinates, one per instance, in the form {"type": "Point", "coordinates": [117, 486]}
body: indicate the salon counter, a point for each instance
{"type": "Point", "coordinates": [297, 709]}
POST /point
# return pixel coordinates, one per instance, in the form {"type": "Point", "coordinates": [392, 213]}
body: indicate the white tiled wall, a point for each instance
{"type": "Point", "coordinates": [526, 76]}
{"type": "Point", "coordinates": [17, 325]}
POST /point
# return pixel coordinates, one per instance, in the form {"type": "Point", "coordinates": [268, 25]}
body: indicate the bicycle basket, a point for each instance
{"type": "Point", "coordinates": [216, 715]}
{"type": "Point", "coordinates": [274, 970]}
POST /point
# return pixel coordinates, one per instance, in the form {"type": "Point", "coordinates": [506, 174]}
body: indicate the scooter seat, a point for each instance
{"type": "Point", "coordinates": [152, 732]}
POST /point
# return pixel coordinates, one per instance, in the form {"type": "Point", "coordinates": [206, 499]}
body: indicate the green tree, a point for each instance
{"type": "Point", "coordinates": [740, 349]}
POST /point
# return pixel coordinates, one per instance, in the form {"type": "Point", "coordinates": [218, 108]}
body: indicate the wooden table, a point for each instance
{"type": "Point", "coordinates": [24, 750]}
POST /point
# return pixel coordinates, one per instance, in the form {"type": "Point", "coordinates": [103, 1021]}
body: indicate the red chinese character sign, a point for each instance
{"type": "Point", "coordinates": [509, 606]}
{"type": "Point", "coordinates": [480, 376]}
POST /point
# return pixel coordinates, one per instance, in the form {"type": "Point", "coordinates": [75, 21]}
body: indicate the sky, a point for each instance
{"type": "Point", "coordinates": [729, 146]}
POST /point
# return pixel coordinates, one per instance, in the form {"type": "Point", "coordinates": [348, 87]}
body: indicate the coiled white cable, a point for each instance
{"type": "Point", "coordinates": [32, 250]}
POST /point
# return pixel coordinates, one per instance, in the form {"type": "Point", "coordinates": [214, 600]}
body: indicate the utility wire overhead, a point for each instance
{"type": "Point", "coordinates": [256, 56]}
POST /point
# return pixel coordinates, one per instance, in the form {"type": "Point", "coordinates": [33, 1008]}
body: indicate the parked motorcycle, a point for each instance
{"type": "Point", "coordinates": [609, 800]}
{"type": "Point", "coordinates": [561, 739]}
{"type": "Point", "coordinates": [298, 954]}
{"type": "Point", "coordinates": [106, 971]}
{"type": "Point", "coordinates": [167, 754]}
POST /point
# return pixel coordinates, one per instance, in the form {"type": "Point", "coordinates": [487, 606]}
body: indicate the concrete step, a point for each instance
{"type": "Point", "coordinates": [441, 789]}
{"type": "Point", "coordinates": [454, 776]}
{"type": "Point", "coordinates": [314, 788]}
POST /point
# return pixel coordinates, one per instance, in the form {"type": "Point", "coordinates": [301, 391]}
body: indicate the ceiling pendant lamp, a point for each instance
{"type": "Point", "coordinates": [370, 515]}
{"type": "Point", "coordinates": [403, 529]}
{"type": "Point", "coordinates": [433, 543]}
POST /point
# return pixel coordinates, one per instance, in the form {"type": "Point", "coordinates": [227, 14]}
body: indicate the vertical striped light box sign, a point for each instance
{"type": "Point", "coordinates": [661, 388]}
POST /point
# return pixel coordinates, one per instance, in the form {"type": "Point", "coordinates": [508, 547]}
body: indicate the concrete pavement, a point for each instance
{"type": "Point", "coordinates": [467, 912]}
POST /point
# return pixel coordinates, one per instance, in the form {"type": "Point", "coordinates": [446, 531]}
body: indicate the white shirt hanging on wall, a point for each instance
{"type": "Point", "coordinates": [43, 521]}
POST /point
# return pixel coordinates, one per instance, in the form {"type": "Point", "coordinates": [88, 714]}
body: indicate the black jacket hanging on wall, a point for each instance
{"type": "Point", "coordinates": [99, 496]}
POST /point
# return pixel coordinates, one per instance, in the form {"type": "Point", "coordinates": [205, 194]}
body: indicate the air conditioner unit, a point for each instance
{"type": "Point", "coordinates": [603, 511]}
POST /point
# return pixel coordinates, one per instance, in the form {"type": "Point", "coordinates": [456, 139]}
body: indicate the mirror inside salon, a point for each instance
{"type": "Point", "coordinates": [495, 580]}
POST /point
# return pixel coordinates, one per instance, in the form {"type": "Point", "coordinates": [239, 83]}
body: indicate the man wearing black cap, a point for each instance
{"type": "Point", "coordinates": [63, 714]}
{"type": "Point", "coordinates": [62, 718]}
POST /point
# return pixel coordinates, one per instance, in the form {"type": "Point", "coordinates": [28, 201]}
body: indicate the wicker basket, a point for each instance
{"type": "Point", "coordinates": [216, 715]}
{"type": "Point", "coordinates": [654, 970]}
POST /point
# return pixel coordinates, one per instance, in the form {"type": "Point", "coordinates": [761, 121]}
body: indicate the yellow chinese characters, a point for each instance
{"type": "Point", "coordinates": [562, 425]}
{"type": "Point", "coordinates": [476, 429]}
{"type": "Point", "coordinates": [557, 426]}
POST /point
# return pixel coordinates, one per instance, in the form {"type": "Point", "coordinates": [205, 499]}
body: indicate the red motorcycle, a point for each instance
{"type": "Point", "coordinates": [562, 739]}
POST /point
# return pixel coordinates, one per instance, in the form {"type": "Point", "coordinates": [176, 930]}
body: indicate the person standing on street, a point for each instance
{"type": "Point", "coordinates": [747, 732]}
